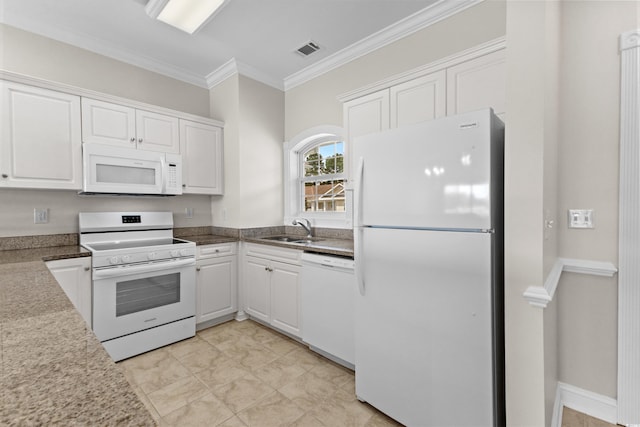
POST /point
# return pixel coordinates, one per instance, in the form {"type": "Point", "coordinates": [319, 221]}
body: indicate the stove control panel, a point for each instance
{"type": "Point", "coordinates": [131, 219]}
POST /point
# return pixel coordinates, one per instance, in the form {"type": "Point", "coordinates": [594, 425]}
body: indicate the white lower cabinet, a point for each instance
{"type": "Point", "coordinates": [74, 277]}
{"type": "Point", "coordinates": [271, 284]}
{"type": "Point", "coordinates": [216, 281]}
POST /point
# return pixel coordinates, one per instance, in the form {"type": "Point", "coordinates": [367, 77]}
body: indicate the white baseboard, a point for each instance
{"type": "Point", "coordinates": [590, 403]}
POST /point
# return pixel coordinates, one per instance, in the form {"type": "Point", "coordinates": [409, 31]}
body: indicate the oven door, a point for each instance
{"type": "Point", "coordinates": [128, 299]}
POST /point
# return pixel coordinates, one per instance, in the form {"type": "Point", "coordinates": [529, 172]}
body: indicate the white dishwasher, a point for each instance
{"type": "Point", "coordinates": [328, 304]}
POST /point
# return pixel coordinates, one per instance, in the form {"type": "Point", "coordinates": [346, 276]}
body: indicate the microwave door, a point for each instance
{"type": "Point", "coordinates": [121, 173]}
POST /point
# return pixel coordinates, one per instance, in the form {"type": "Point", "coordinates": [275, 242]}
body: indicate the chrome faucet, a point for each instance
{"type": "Point", "coordinates": [306, 226]}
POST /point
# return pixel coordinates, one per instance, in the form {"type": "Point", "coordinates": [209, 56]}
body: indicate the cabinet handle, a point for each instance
{"type": "Point", "coordinates": [140, 140]}
{"type": "Point", "coordinates": [87, 268]}
{"type": "Point", "coordinates": [4, 175]}
{"type": "Point", "coordinates": [197, 268]}
{"type": "Point", "coordinates": [133, 139]}
{"type": "Point", "coordinates": [268, 269]}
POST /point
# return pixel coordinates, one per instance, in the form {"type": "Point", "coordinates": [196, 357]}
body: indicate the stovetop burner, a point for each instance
{"type": "Point", "coordinates": [113, 240]}
{"type": "Point", "coordinates": [129, 244]}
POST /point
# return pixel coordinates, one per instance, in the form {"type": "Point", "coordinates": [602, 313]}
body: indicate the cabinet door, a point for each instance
{"type": "Point", "coordinates": [418, 100]}
{"type": "Point", "coordinates": [478, 83]}
{"type": "Point", "coordinates": [367, 114]}
{"type": "Point", "coordinates": [285, 298]}
{"type": "Point", "coordinates": [216, 288]}
{"type": "Point", "coordinates": [108, 123]}
{"type": "Point", "coordinates": [256, 288]}
{"type": "Point", "coordinates": [40, 145]}
{"type": "Point", "coordinates": [201, 149]}
{"type": "Point", "coordinates": [74, 277]}
{"type": "Point", "coordinates": [157, 132]}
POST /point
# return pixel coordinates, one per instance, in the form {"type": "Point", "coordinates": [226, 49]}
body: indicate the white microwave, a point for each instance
{"type": "Point", "coordinates": [115, 170]}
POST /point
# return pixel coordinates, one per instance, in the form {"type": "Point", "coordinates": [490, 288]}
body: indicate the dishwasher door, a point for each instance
{"type": "Point", "coordinates": [328, 292]}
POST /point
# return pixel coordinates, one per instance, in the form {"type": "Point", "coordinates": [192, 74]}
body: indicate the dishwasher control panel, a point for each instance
{"type": "Point", "coordinates": [328, 260]}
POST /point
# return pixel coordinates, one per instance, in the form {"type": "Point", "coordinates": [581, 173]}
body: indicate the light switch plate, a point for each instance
{"type": "Point", "coordinates": [40, 216]}
{"type": "Point", "coordinates": [580, 218]}
{"type": "Point", "coordinates": [188, 213]}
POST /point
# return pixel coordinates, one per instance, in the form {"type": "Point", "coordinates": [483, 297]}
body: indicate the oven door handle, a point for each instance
{"type": "Point", "coordinates": [156, 266]}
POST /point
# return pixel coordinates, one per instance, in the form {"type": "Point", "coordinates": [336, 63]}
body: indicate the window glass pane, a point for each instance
{"type": "Point", "coordinates": [323, 195]}
{"type": "Point", "coordinates": [310, 198]}
{"type": "Point", "coordinates": [312, 163]}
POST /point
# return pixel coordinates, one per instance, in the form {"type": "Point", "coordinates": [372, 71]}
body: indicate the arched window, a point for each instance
{"type": "Point", "coordinates": [315, 178]}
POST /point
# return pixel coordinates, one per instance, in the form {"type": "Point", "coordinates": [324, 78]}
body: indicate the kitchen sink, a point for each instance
{"type": "Point", "coordinates": [293, 239]}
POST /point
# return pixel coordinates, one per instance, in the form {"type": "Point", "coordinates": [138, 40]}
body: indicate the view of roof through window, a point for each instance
{"type": "Point", "coordinates": [323, 181]}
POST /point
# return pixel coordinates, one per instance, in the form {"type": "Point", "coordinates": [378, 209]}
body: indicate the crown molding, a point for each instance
{"type": "Point", "coordinates": [117, 52]}
{"type": "Point", "coordinates": [428, 16]}
{"type": "Point", "coordinates": [233, 66]}
{"type": "Point", "coordinates": [438, 11]}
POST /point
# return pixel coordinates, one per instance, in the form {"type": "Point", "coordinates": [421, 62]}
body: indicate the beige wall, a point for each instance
{"type": "Point", "coordinates": [37, 56]}
{"type": "Point", "coordinates": [588, 179]}
{"type": "Point", "coordinates": [315, 103]}
{"type": "Point", "coordinates": [225, 100]}
{"type": "Point", "coordinates": [33, 55]}
{"type": "Point", "coordinates": [524, 185]}
{"type": "Point", "coordinates": [16, 209]}
{"type": "Point", "coordinates": [254, 119]}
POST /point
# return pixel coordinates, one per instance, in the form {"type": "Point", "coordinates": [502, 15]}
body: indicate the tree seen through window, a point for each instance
{"type": "Point", "coordinates": [323, 180]}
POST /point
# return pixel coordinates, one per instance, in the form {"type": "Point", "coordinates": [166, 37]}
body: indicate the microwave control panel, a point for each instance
{"type": "Point", "coordinates": [172, 178]}
{"type": "Point", "coordinates": [173, 169]}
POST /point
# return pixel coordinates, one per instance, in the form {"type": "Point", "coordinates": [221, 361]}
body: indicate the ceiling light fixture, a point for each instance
{"type": "Point", "coordinates": [186, 15]}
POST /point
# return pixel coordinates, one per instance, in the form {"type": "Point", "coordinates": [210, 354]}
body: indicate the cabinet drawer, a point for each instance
{"type": "Point", "coordinates": [290, 256]}
{"type": "Point", "coordinates": [214, 251]}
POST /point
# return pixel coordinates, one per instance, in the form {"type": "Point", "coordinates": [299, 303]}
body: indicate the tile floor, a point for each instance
{"type": "Point", "coordinates": [245, 374]}
{"type": "Point", "coordinates": [571, 418]}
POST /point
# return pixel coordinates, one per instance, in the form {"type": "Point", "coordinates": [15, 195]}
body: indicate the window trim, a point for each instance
{"type": "Point", "coordinates": [292, 151]}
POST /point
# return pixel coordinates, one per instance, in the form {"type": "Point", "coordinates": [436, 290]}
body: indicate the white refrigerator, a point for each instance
{"type": "Point", "coordinates": [428, 255]}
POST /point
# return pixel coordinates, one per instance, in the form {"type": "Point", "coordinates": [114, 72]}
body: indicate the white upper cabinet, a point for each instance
{"type": "Point", "coordinates": [115, 124]}
{"type": "Point", "coordinates": [418, 100]}
{"type": "Point", "coordinates": [157, 132]}
{"type": "Point", "coordinates": [40, 144]}
{"type": "Point", "coordinates": [459, 84]}
{"type": "Point", "coordinates": [478, 83]}
{"type": "Point", "coordinates": [201, 149]}
{"type": "Point", "coordinates": [367, 114]}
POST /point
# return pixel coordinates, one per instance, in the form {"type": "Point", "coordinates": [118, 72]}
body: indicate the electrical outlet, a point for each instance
{"type": "Point", "coordinates": [40, 216]}
{"type": "Point", "coordinates": [580, 218]}
{"type": "Point", "coordinates": [188, 213]}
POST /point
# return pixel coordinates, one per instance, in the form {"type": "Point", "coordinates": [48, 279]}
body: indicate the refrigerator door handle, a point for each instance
{"type": "Point", "coordinates": [359, 261]}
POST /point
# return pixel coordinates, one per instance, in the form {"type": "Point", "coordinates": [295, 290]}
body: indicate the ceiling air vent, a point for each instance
{"type": "Point", "coordinates": [308, 48]}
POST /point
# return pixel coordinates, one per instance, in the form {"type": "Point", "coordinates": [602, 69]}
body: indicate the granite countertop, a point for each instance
{"type": "Point", "coordinates": [53, 368]}
{"type": "Point", "coordinates": [325, 245]}
{"type": "Point", "coordinates": [330, 246]}
{"type": "Point", "coordinates": [209, 239]}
